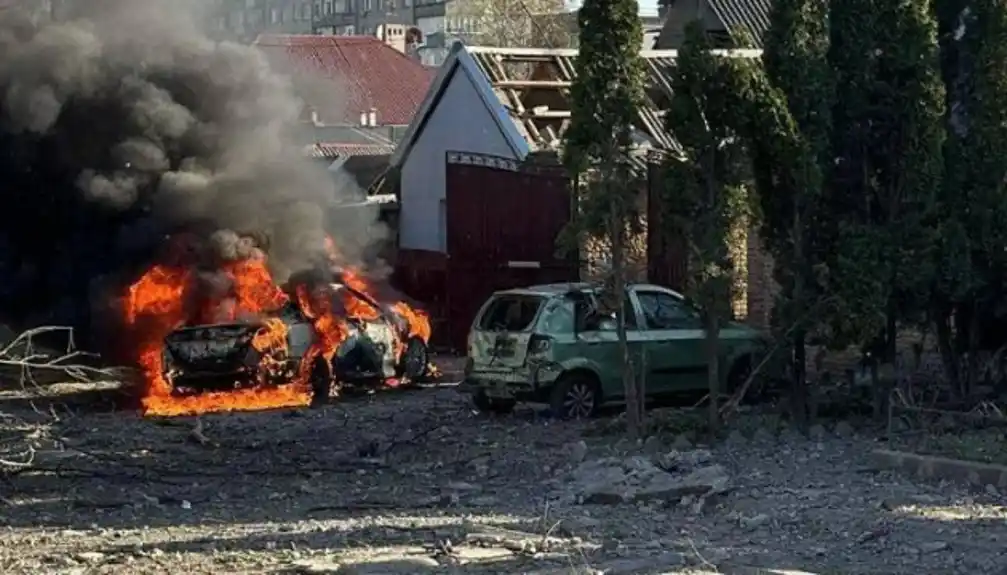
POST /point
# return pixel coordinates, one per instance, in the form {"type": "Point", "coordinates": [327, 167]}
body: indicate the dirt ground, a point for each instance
{"type": "Point", "coordinates": [415, 481]}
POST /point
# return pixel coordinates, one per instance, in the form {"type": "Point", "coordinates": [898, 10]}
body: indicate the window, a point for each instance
{"type": "Point", "coordinates": [512, 312]}
{"type": "Point", "coordinates": [558, 315]}
{"type": "Point", "coordinates": [664, 311]}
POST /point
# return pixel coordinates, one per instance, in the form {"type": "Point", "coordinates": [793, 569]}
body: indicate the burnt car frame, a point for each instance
{"type": "Point", "coordinates": [221, 356]}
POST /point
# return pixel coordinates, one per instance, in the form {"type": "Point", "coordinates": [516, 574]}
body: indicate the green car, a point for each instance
{"type": "Point", "coordinates": [548, 344]}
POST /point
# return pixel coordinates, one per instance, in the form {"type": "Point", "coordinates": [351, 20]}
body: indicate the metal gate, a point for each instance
{"type": "Point", "coordinates": [503, 220]}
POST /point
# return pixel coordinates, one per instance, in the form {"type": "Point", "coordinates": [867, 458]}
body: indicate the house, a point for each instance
{"type": "Point", "coordinates": [359, 96]}
{"type": "Point", "coordinates": [474, 169]}
{"type": "Point", "coordinates": [727, 22]}
{"type": "Point", "coordinates": [349, 80]}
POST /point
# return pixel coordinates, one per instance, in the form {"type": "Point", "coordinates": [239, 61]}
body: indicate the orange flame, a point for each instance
{"type": "Point", "coordinates": [160, 302]}
{"type": "Point", "coordinates": [155, 306]}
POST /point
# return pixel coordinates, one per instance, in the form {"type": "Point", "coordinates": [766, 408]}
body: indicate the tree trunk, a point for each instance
{"type": "Point", "coordinates": [946, 345]}
{"type": "Point", "coordinates": [634, 424]}
{"type": "Point", "coordinates": [712, 350]}
{"type": "Point", "coordinates": [799, 394]}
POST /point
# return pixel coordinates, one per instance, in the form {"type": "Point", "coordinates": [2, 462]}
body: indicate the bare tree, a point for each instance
{"type": "Point", "coordinates": [515, 23]}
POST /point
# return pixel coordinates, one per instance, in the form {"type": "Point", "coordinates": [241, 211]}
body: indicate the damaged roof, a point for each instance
{"type": "Point", "coordinates": [748, 16]}
{"type": "Point", "coordinates": [333, 150]}
{"type": "Point", "coordinates": [527, 91]}
{"type": "Point", "coordinates": [365, 73]}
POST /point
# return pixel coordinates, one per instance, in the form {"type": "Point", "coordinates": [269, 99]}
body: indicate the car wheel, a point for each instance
{"type": "Point", "coordinates": [321, 384]}
{"type": "Point", "coordinates": [575, 396]}
{"type": "Point", "coordinates": [495, 405]}
{"type": "Point", "coordinates": [414, 360]}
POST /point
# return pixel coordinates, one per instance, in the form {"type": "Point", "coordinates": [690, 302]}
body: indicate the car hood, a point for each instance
{"type": "Point", "coordinates": [210, 341]}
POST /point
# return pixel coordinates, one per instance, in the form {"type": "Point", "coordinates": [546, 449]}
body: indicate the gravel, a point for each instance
{"type": "Point", "coordinates": [415, 482]}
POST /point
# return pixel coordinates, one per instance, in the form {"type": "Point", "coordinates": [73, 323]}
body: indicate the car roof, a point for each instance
{"type": "Point", "coordinates": [562, 288]}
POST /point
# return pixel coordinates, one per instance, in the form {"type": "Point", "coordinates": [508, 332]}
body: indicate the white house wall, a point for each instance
{"type": "Point", "coordinates": [459, 122]}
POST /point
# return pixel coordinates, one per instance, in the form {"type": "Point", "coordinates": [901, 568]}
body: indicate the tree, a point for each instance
{"type": "Point", "coordinates": [790, 140]}
{"type": "Point", "coordinates": [973, 201]}
{"type": "Point", "coordinates": [605, 97]}
{"type": "Point", "coordinates": [514, 23]}
{"type": "Point", "coordinates": [706, 185]}
{"type": "Point", "coordinates": [890, 168]}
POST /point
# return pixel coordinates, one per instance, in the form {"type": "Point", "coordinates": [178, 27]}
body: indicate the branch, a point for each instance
{"type": "Point", "coordinates": [735, 400]}
{"type": "Point", "coordinates": [18, 448]}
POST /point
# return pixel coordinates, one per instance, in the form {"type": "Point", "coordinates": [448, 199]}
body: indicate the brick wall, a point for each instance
{"type": "Point", "coordinates": [761, 288]}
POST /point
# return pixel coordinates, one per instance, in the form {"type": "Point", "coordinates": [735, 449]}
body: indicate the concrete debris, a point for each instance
{"type": "Point", "coordinates": [671, 477]}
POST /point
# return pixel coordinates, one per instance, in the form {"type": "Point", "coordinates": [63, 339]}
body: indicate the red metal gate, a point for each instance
{"type": "Point", "coordinates": [503, 219]}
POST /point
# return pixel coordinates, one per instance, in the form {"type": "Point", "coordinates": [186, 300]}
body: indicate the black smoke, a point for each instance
{"type": "Point", "coordinates": [123, 125]}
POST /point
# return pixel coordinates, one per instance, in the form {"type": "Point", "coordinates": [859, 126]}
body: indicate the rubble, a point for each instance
{"type": "Point", "coordinates": [453, 492]}
{"type": "Point", "coordinates": [668, 478]}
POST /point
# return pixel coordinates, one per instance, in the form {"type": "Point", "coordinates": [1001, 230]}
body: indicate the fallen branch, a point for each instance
{"type": "Point", "coordinates": [21, 449]}
{"type": "Point", "coordinates": [23, 353]}
{"type": "Point", "coordinates": [735, 400]}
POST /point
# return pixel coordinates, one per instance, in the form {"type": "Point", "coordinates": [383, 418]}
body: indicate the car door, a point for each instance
{"type": "Point", "coordinates": [672, 337]}
{"type": "Point", "coordinates": [598, 342]}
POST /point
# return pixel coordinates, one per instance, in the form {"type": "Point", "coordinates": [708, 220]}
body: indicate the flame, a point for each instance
{"type": "Point", "coordinates": [155, 306]}
{"type": "Point", "coordinates": [163, 300]}
{"type": "Point", "coordinates": [417, 320]}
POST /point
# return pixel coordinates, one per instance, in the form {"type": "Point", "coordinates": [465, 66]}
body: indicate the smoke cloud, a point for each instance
{"type": "Point", "coordinates": [125, 123]}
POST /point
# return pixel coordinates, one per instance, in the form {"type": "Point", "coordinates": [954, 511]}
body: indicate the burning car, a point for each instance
{"type": "Point", "coordinates": [378, 344]}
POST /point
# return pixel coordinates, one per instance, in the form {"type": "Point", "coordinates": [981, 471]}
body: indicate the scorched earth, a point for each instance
{"type": "Point", "coordinates": [414, 482]}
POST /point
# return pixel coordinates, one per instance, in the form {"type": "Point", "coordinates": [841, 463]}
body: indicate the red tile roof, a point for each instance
{"type": "Point", "coordinates": [374, 74]}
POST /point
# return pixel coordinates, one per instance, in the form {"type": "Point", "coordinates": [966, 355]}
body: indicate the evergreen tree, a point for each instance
{"type": "Point", "coordinates": [605, 97]}
{"type": "Point", "coordinates": [792, 152]}
{"type": "Point", "coordinates": [891, 172]}
{"type": "Point", "coordinates": [973, 202]}
{"type": "Point", "coordinates": [706, 185]}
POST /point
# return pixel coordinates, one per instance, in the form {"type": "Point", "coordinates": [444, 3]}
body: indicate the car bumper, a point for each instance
{"type": "Point", "coordinates": [527, 383]}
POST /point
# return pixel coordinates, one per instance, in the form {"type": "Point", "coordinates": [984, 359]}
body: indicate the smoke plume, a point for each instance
{"type": "Point", "coordinates": [124, 123]}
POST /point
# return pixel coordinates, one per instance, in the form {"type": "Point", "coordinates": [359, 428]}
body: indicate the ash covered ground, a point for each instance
{"type": "Point", "coordinates": [414, 482]}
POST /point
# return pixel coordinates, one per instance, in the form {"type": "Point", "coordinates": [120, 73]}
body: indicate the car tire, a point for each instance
{"type": "Point", "coordinates": [494, 405]}
{"type": "Point", "coordinates": [575, 396]}
{"type": "Point", "coordinates": [321, 384]}
{"type": "Point", "coordinates": [415, 359]}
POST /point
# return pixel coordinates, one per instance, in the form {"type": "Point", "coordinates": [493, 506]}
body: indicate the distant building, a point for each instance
{"type": "Point", "coordinates": [246, 19]}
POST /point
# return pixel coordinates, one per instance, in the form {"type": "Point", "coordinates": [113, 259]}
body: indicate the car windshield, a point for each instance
{"type": "Point", "coordinates": [510, 312]}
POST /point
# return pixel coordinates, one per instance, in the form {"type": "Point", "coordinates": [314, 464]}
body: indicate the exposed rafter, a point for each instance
{"type": "Point", "coordinates": [533, 84]}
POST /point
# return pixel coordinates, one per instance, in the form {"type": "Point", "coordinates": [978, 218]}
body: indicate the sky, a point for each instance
{"type": "Point", "coordinates": [647, 7]}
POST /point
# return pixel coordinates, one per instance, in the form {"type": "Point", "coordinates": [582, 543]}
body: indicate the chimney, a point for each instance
{"type": "Point", "coordinates": [363, 118]}
{"type": "Point", "coordinates": [372, 117]}
{"type": "Point", "coordinates": [314, 118]}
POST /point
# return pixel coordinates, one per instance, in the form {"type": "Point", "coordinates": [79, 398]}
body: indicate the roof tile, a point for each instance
{"type": "Point", "coordinates": [374, 74]}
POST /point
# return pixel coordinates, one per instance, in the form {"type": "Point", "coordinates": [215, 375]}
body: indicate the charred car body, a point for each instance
{"type": "Point", "coordinates": [222, 356]}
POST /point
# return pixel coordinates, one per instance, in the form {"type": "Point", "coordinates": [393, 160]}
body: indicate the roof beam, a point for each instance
{"type": "Point", "coordinates": [572, 53]}
{"type": "Point", "coordinates": [532, 84]}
